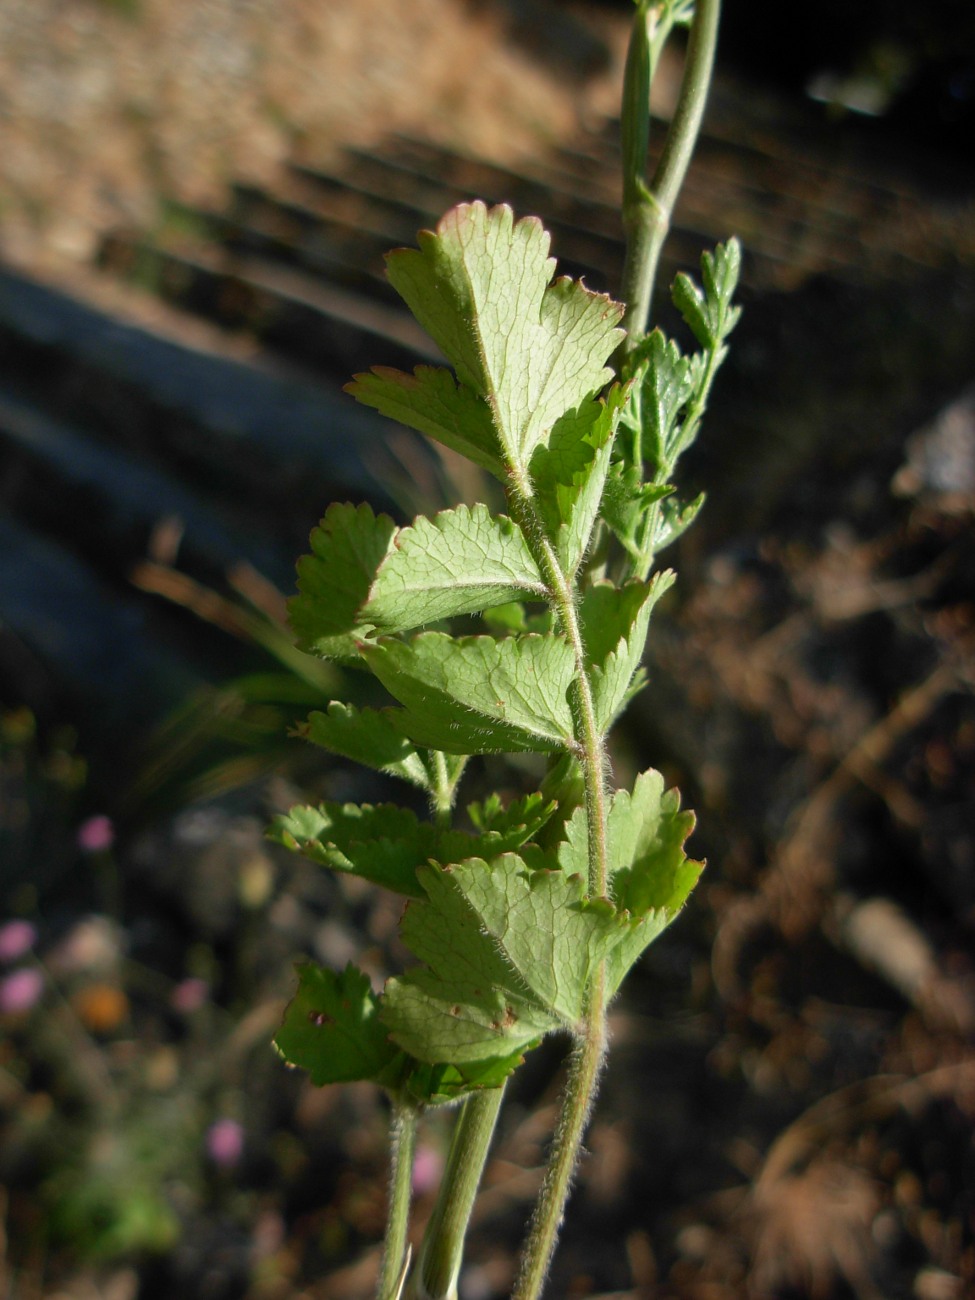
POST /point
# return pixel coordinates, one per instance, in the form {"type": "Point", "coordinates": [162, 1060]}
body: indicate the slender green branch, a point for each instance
{"type": "Point", "coordinates": [402, 1150]}
{"type": "Point", "coordinates": [646, 216]}
{"type": "Point", "coordinates": [437, 1270]}
{"type": "Point", "coordinates": [444, 788]}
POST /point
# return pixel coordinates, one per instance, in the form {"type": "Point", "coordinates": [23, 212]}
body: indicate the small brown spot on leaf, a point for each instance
{"type": "Point", "coordinates": [321, 1018]}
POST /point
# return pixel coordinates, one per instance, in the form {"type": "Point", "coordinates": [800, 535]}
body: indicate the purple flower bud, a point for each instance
{"type": "Point", "coordinates": [20, 990]}
{"type": "Point", "coordinates": [96, 835]}
{"type": "Point", "coordinates": [16, 939]}
{"type": "Point", "coordinates": [225, 1143]}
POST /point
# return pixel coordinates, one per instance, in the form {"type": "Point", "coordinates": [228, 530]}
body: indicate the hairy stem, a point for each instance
{"type": "Point", "coordinates": [583, 1074]}
{"type": "Point", "coordinates": [580, 1092]}
{"type": "Point", "coordinates": [647, 211]}
{"type": "Point", "coordinates": [436, 1273]}
{"type": "Point", "coordinates": [402, 1149]}
{"type": "Point", "coordinates": [443, 790]}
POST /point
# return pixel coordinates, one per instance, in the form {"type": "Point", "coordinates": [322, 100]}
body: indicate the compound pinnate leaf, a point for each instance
{"type": "Point", "coordinates": [334, 580]}
{"type": "Point", "coordinates": [367, 736]}
{"type": "Point", "coordinates": [459, 562]}
{"type": "Point", "coordinates": [481, 285]}
{"type": "Point", "coordinates": [477, 695]}
{"type": "Point", "coordinates": [709, 312]}
{"type": "Point", "coordinates": [664, 383]}
{"type": "Point", "coordinates": [332, 1028]}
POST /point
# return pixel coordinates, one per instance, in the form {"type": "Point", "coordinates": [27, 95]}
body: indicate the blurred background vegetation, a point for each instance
{"type": "Point", "coordinates": [194, 199]}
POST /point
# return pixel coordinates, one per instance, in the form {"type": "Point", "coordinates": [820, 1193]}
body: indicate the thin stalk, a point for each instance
{"type": "Point", "coordinates": [583, 1076]}
{"type": "Point", "coordinates": [591, 750]}
{"type": "Point", "coordinates": [647, 214]}
{"type": "Point", "coordinates": [436, 1272]}
{"type": "Point", "coordinates": [402, 1151]}
{"type": "Point", "coordinates": [444, 790]}
{"type": "Point", "coordinates": [580, 1092]}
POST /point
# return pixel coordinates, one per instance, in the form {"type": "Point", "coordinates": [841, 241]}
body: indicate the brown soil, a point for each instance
{"type": "Point", "coordinates": [106, 107]}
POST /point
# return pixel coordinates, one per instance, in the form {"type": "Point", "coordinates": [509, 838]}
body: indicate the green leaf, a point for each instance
{"type": "Point", "coordinates": [439, 1083]}
{"type": "Point", "coordinates": [550, 934]}
{"type": "Point", "coordinates": [460, 562]}
{"type": "Point", "coordinates": [478, 695]}
{"type": "Point", "coordinates": [334, 581]}
{"type": "Point", "coordinates": [665, 384]}
{"type": "Point", "coordinates": [481, 287]}
{"type": "Point", "coordinates": [461, 1021]}
{"type": "Point", "coordinates": [709, 313]}
{"type": "Point", "coordinates": [382, 843]}
{"type": "Point", "coordinates": [509, 953]}
{"type": "Point", "coordinates": [367, 736]}
{"type": "Point", "coordinates": [649, 830]}
{"type": "Point", "coordinates": [522, 818]}
{"type": "Point", "coordinates": [569, 475]}
{"type": "Point", "coordinates": [674, 519]}
{"type": "Point", "coordinates": [614, 628]}
{"type": "Point", "coordinates": [432, 402]}
{"type": "Point", "coordinates": [332, 1028]}
{"type": "Point", "coordinates": [510, 617]}
{"type": "Point", "coordinates": [626, 502]}
{"type": "Point", "coordinates": [385, 844]}
{"type": "Point", "coordinates": [650, 874]}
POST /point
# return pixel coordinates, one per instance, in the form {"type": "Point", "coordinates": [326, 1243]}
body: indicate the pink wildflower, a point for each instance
{"type": "Point", "coordinates": [97, 834]}
{"type": "Point", "coordinates": [427, 1168]}
{"type": "Point", "coordinates": [225, 1143]}
{"type": "Point", "coordinates": [20, 991]}
{"type": "Point", "coordinates": [16, 939]}
{"type": "Point", "coordinates": [189, 995]}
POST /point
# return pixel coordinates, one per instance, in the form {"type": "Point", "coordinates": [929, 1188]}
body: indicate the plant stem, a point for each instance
{"type": "Point", "coordinates": [647, 212]}
{"type": "Point", "coordinates": [437, 1270]}
{"type": "Point", "coordinates": [443, 791]}
{"type": "Point", "coordinates": [583, 1076]}
{"type": "Point", "coordinates": [591, 748]}
{"type": "Point", "coordinates": [580, 1092]}
{"type": "Point", "coordinates": [402, 1149]}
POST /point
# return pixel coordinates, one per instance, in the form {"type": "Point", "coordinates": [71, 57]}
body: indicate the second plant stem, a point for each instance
{"type": "Point", "coordinates": [647, 209]}
{"type": "Point", "coordinates": [403, 1143]}
{"type": "Point", "coordinates": [436, 1272]}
